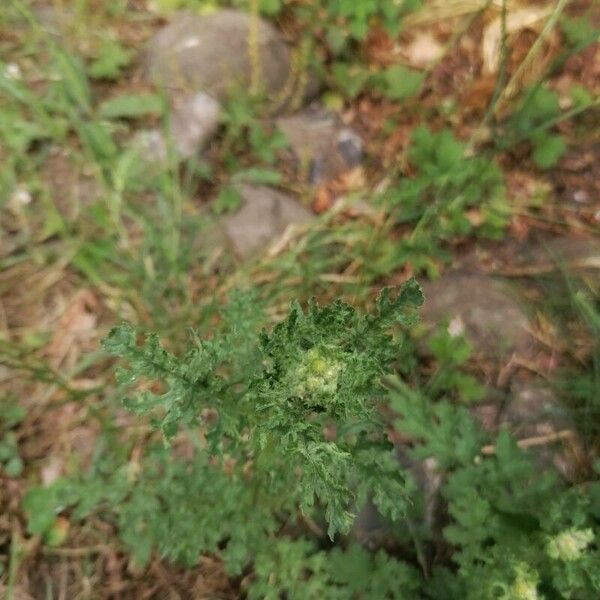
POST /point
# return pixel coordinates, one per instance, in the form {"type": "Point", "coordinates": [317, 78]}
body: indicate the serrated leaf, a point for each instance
{"type": "Point", "coordinates": [120, 340]}
{"type": "Point", "coordinates": [410, 296]}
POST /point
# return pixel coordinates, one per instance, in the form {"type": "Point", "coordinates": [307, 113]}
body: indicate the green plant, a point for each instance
{"type": "Point", "coordinates": [97, 232]}
{"type": "Point", "coordinates": [399, 82]}
{"type": "Point", "coordinates": [536, 118]}
{"type": "Point", "coordinates": [298, 570]}
{"type": "Point", "coordinates": [395, 83]}
{"type": "Point", "coordinates": [290, 421]}
{"type": "Point", "coordinates": [110, 61]}
{"type": "Point", "coordinates": [273, 439]}
{"type": "Point", "coordinates": [539, 107]}
{"type": "Point", "coordinates": [580, 31]}
{"type": "Point", "coordinates": [452, 195]}
{"type": "Point", "coordinates": [345, 22]}
{"type": "Point", "coordinates": [517, 532]}
{"type": "Point", "coordinates": [515, 529]}
{"type": "Point", "coordinates": [245, 133]}
{"type": "Point", "coordinates": [451, 354]}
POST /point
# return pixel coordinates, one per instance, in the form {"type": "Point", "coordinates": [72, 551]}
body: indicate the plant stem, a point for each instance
{"type": "Point", "coordinates": [534, 50]}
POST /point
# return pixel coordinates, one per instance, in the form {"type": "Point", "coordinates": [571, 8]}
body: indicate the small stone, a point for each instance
{"type": "Point", "coordinates": [581, 197]}
{"type": "Point", "coordinates": [372, 530]}
{"type": "Point", "coordinates": [13, 71]}
{"type": "Point", "coordinates": [212, 53]}
{"type": "Point", "coordinates": [456, 327]}
{"type": "Point", "coordinates": [350, 147]}
{"type": "Point", "coordinates": [492, 320]}
{"type": "Point", "coordinates": [264, 215]}
{"type": "Point", "coordinates": [21, 196]}
{"type": "Point", "coordinates": [194, 121]}
{"type": "Point", "coordinates": [322, 146]}
{"type": "Point", "coordinates": [533, 411]}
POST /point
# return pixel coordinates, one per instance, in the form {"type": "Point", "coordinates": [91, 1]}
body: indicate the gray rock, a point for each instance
{"type": "Point", "coordinates": [545, 255]}
{"type": "Point", "coordinates": [194, 120]}
{"type": "Point", "coordinates": [210, 53]}
{"type": "Point", "coordinates": [322, 146]}
{"type": "Point", "coordinates": [425, 512]}
{"type": "Point", "coordinates": [264, 215]}
{"type": "Point", "coordinates": [533, 413]}
{"type": "Point", "coordinates": [482, 309]}
{"type": "Point", "coordinates": [372, 530]}
{"type": "Point", "coordinates": [573, 254]}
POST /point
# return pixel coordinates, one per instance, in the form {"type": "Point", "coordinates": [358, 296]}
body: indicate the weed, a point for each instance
{"type": "Point", "coordinates": [536, 118]}
{"type": "Point", "coordinates": [452, 196]}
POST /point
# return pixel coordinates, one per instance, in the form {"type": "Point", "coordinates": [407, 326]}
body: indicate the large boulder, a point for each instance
{"type": "Point", "coordinates": [214, 53]}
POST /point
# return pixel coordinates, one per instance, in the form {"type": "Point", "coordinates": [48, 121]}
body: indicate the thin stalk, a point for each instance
{"type": "Point", "coordinates": [13, 566]}
{"type": "Point", "coordinates": [534, 50]}
{"type": "Point", "coordinates": [500, 80]}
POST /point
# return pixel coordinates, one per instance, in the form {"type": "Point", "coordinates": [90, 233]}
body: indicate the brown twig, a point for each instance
{"type": "Point", "coordinates": [531, 442]}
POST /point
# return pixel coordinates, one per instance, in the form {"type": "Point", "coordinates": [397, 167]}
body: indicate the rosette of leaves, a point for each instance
{"type": "Point", "coordinates": [322, 372]}
{"type": "Point", "coordinates": [294, 424]}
